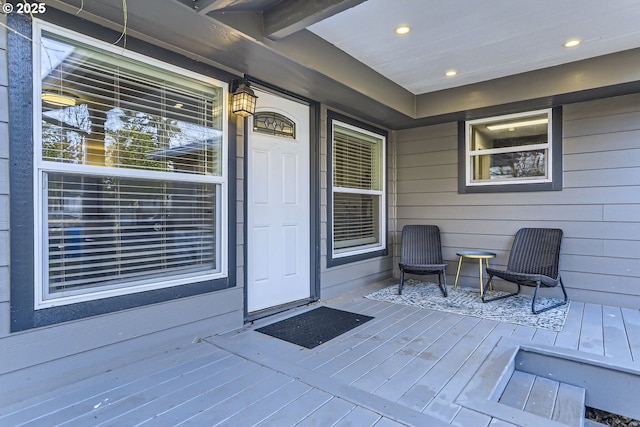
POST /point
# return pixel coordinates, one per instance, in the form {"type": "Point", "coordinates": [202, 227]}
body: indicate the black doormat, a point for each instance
{"type": "Point", "coordinates": [312, 328]}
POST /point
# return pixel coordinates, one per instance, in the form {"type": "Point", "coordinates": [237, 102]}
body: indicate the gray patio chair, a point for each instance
{"type": "Point", "coordinates": [421, 253]}
{"type": "Point", "coordinates": [533, 261]}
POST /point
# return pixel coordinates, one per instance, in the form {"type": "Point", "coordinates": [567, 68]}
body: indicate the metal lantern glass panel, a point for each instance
{"type": "Point", "coordinates": [244, 100]}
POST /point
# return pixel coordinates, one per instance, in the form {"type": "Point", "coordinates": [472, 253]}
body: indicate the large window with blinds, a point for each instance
{"type": "Point", "coordinates": [130, 171]}
{"type": "Point", "coordinates": [357, 189]}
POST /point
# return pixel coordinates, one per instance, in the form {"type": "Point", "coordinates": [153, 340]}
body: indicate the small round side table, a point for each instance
{"type": "Point", "coordinates": [479, 255]}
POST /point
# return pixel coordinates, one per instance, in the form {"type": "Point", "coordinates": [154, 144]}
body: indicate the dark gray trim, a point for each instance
{"type": "Point", "coordinates": [316, 215]}
{"type": "Point", "coordinates": [556, 145]}
{"type": "Point", "coordinates": [20, 94]}
{"type": "Point", "coordinates": [23, 314]}
{"type": "Point", "coordinates": [332, 262]}
{"type": "Point", "coordinates": [232, 204]}
{"type": "Point", "coordinates": [286, 18]}
{"type": "Point", "coordinates": [556, 165]}
{"type": "Point", "coordinates": [245, 217]}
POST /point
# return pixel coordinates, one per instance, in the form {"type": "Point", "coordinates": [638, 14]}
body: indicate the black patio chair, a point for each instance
{"type": "Point", "coordinates": [421, 253]}
{"type": "Point", "coordinates": [533, 261]}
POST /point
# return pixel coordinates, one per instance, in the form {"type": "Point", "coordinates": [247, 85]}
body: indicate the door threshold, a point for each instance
{"type": "Point", "coordinates": [266, 312]}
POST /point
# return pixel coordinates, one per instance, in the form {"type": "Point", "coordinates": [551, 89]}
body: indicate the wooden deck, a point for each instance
{"type": "Point", "coordinates": [405, 367]}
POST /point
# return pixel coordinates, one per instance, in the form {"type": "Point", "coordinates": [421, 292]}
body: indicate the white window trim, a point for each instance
{"type": "Point", "coordinates": [40, 167]}
{"type": "Point", "coordinates": [366, 248]}
{"type": "Point", "coordinates": [469, 154]}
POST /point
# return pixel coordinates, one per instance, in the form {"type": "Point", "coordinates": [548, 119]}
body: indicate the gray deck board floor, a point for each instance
{"type": "Point", "coordinates": [518, 389]}
{"type": "Point", "coordinates": [592, 320]}
{"type": "Point", "coordinates": [631, 319]}
{"type": "Point", "coordinates": [615, 335]}
{"type": "Point", "coordinates": [566, 410]}
{"type": "Point", "coordinates": [407, 366]}
{"type": "Point", "coordinates": [542, 397]}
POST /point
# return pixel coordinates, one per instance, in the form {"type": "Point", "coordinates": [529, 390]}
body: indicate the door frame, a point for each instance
{"type": "Point", "coordinates": [314, 200]}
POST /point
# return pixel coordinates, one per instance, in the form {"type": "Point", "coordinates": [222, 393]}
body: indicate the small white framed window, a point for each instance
{"type": "Point", "coordinates": [514, 152]}
{"type": "Point", "coordinates": [515, 148]}
{"type": "Point", "coordinates": [358, 190]}
{"type": "Point", "coordinates": [130, 178]}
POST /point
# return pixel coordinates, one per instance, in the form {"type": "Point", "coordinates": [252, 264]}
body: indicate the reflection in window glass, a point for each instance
{"type": "Point", "coordinates": [511, 148]}
{"type": "Point", "coordinates": [132, 171]}
{"type": "Point", "coordinates": [125, 114]}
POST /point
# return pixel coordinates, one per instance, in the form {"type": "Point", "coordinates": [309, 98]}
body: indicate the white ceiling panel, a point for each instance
{"type": "Point", "coordinates": [482, 40]}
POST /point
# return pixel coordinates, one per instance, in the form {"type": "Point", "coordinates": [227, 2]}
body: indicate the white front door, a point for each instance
{"type": "Point", "coordinates": [278, 205]}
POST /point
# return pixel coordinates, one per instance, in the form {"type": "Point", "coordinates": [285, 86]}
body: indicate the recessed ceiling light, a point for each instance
{"type": "Point", "coordinates": [403, 29]}
{"type": "Point", "coordinates": [572, 43]}
{"type": "Point", "coordinates": [179, 105]}
{"type": "Point", "coordinates": [451, 73]}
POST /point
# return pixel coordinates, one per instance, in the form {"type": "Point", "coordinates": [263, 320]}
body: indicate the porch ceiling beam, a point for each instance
{"type": "Point", "coordinates": [205, 6]}
{"type": "Point", "coordinates": [292, 16]}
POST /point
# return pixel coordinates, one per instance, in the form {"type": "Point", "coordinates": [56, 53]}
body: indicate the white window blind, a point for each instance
{"type": "Point", "coordinates": [356, 160]}
{"type": "Point", "coordinates": [358, 189]}
{"type": "Point", "coordinates": [126, 114]}
{"type": "Point", "coordinates": [355, 220]}
{"type": "Point", "coordinates": [132, 172]}
{"type": "Point", "coordinates": [113, 231]}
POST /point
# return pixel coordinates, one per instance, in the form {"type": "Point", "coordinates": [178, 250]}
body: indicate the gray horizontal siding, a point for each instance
{"type": "Point", "coordinates": [44, 344]}
{"type": "Point", "coordinates": [598, 208]}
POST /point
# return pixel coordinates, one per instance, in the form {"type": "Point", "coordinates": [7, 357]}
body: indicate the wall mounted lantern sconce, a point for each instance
{"type": "Point", "coordinates": [243, 99]}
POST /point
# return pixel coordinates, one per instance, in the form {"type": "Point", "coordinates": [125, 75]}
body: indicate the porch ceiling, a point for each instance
{"type": "Point", "coordinates": [344, 52]}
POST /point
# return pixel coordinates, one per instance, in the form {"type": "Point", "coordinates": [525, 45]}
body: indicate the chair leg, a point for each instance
{"type": "Point", "coordinates": [443, 289]}
{"type": "Point", "coordinates": [401, 282]}
{"type": "Point", "coordinates": [535, 295]}
{"type": "Point", "coordinates": [483, 296]}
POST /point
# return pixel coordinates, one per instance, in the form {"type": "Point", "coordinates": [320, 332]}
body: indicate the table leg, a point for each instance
{"type": "Point", "coordinates": [455, 286]}
{"type": "Point", "coordinates": [480, 264]}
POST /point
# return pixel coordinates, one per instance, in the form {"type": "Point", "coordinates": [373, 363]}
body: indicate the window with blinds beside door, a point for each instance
{"type": "Point", "coordinates": [130, 156]}
{"type": "Point", "coordinates": [357, 190]}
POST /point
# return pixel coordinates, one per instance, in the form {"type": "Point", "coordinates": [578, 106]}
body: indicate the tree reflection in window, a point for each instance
{"type": "Point", "coordinates": [509, 149]}
{"type": "Point", "coordinates": [132, 174]}
{"type": "Point", "coordinates": [64, 132]}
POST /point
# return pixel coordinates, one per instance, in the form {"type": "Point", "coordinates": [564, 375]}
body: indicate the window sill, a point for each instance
{"type": "Point", "coordinates": [347, 259]}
